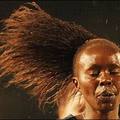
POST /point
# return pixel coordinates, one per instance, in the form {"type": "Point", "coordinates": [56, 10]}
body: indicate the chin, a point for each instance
{"type": "Point", "coordinates": [107, 107]}
{"type": "Point", "coordinates": [106, 104]}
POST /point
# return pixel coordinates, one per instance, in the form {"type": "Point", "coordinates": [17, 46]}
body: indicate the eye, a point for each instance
{"type": "Point", "coordinates": [95, 73]}
{"type": "Point", "coordinates": [114, 72]}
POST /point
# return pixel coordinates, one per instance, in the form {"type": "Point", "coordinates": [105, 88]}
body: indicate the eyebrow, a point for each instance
{"type": "Point", "coordinates": [99, 66]}
{"type": "Point", "coordinates": [94, 66]}
{"type": "Point", "coordinates": [114, 66]}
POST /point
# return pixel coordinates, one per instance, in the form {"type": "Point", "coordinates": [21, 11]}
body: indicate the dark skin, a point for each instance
{"type": "Point", "coordinates": [97, 77]}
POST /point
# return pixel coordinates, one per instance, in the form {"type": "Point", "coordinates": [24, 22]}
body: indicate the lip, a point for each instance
{"type": "Point", "coordinates": [106, 97]}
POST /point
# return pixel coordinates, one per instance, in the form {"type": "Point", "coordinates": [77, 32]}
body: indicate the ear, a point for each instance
{"type": "Point", "coordinates": [75, 81]}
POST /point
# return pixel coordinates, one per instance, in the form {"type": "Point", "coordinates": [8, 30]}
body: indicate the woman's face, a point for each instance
{"type": "Point", "coordinates": [98, 75]}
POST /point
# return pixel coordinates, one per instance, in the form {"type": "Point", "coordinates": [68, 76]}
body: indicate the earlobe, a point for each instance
{"type": "Point", "coordinates": [75, 81]}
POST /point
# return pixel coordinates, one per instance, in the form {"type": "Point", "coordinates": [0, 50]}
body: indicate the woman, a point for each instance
{"type": "Point", "coordinates": [39, 50]}
{"type": "Point", "coordinates": [96, 76]}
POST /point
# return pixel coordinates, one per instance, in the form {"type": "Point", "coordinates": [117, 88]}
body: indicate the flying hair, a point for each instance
{"type": "Point", "coordinates": [38, 50]}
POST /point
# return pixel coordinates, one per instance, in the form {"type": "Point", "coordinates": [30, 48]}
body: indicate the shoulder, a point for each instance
{"type": "Point", "coordinates": [71, 117]}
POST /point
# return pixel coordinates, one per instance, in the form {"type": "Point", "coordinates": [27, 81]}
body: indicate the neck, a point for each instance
{"type": "Point", "coordinates": [94, 114]}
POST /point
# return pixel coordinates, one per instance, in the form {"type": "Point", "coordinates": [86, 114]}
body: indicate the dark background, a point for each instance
{"type": "Point", "coordinates": [99, 17]}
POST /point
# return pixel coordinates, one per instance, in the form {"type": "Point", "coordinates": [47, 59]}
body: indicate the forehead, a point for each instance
{"type": "Point", "coordinates": [103, 60]}
{"type": "Point", "coordinates": [99, 54]}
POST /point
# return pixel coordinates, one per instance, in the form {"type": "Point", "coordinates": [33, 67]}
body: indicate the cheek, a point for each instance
{"type": "Point", "coordinates": [87, 86]}
{"type": "Point", "coordinates": [116, 81]}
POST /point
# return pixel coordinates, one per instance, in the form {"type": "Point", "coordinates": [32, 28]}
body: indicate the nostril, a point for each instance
{"type": "Point", "coordinates": [109, 83]}
{"type": "Point", "coordinates": [101, 83]}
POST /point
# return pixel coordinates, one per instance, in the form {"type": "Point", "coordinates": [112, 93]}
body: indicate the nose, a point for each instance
{"type": "Point", "coordinates": [105, 79]}
{"type": "Point", "coordinates": [105, 82]}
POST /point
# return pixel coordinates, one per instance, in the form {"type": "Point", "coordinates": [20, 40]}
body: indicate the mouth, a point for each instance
{"type": "Point", "coordinates": [106, 97]}
{"type": "Point", "coordinates": [106, 94]}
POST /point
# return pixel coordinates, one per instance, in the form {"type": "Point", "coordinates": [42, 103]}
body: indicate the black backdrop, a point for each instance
{"type": "Point", "coordinates": [99, 17]}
